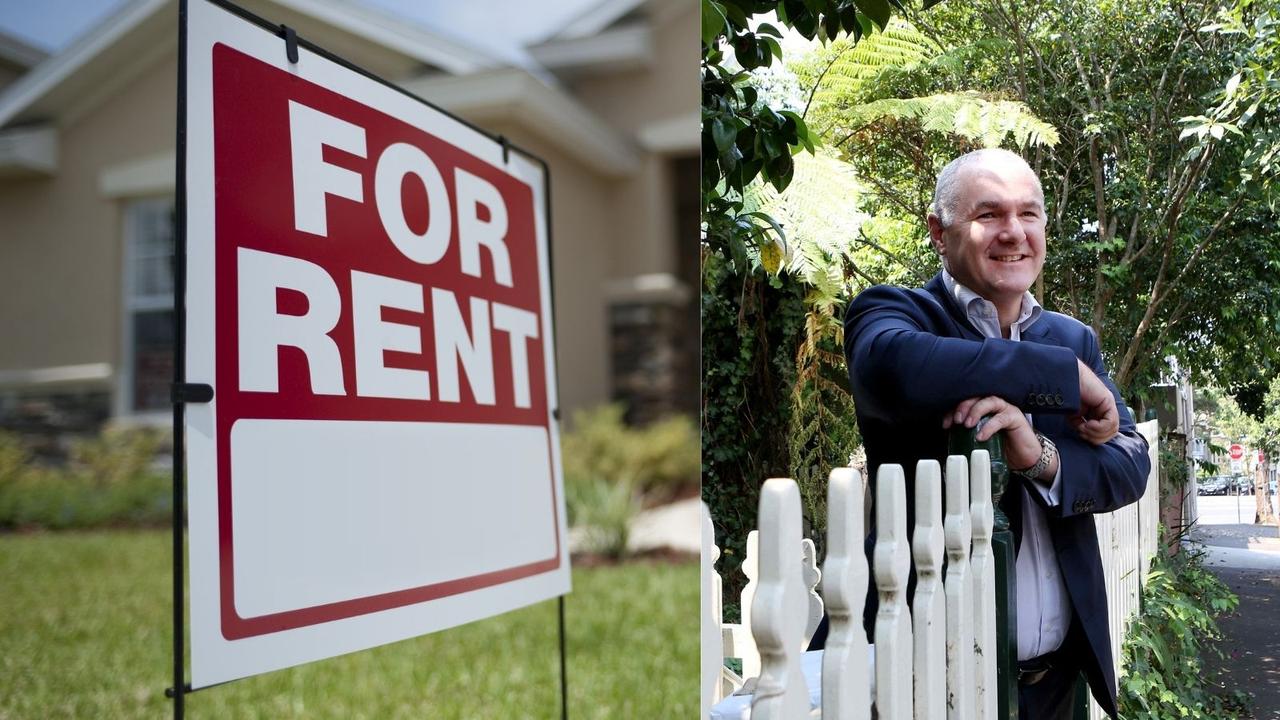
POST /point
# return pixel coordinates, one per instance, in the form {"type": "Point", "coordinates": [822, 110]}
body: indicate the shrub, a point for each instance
{"type": "Point", "coordinates": [609, 467]}
{"type": "Point", "coordinates": [604, 511]}
{"type": "Point", "coordinates": [658, 460]}
{"type": "Point", "coordinates": [116, 456]}
{"type": "Point", "coordinates": [1165, 675]}
{"type": "Point", "coordinates": [109, 481]}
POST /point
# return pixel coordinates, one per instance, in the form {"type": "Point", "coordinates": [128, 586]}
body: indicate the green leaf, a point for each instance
{"type": "Point", "coordinates": [773, 45]}
{"type": "Point", "coordinates": [848, 18]}
{"type": "Point", "coordinates": [780, 170]}
{"type": "Point", "coordinates": [1232, 84]}
{"type": "Point", "coordinates": [831, 25]}
{"type": "Point", "coordinates": [767, 29]}
{"type": "Point", "coordinates": [713, 21]}
{"type": "Point", "coordinates": [802, 130]}
{"type": "Point", "coordinates": [864, 25]}
{"type": "Point", "coordinates": [723, 134]}
{"type": "Point", "coordinates": [777, 228]}
{"type": "Point", "coordinates": [930, 3]}
{"type": "Point", "coordinates": [878, 10]}
{"type": "Point", "coordinates": [736, 16]}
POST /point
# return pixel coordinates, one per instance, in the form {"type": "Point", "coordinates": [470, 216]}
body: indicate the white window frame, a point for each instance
{"type": "Point", "coordinates": [131, 304]}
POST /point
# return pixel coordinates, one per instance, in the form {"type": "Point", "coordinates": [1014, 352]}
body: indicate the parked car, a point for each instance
{"type": "Point", "coordinates": [1213, 485]}
{"type": "Point", "coordinates": [1244, 484]}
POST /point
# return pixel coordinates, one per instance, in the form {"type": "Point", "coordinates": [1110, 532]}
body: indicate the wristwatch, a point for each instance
{"type": "Point", "coordinates": [1048, 451]}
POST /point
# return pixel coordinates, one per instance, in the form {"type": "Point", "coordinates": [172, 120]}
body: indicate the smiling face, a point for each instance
{"type": "Point", "coordinates": [994, 244]}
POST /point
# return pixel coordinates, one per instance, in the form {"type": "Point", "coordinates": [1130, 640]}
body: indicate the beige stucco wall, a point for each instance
{"type": "Point", "coordinates": [668, 88]}
{"type": "Point", "coordinates": [665, 91]}
{"type": "Point", "coordinates": [60, 241]}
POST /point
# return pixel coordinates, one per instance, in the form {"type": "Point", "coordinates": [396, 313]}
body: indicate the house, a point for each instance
{"type": "Point", "coordinates": [87, 140]}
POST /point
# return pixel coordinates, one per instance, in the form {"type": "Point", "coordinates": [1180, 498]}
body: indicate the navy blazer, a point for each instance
{"type": "Point", "coordinates": [913, 356]}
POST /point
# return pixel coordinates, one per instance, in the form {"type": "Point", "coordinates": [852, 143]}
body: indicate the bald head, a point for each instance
{"type": "Point", "coordinates": [947, 193]}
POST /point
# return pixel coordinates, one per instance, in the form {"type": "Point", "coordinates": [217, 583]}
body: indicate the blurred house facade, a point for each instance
{"type": "Point", "coordinates": [87, 140]}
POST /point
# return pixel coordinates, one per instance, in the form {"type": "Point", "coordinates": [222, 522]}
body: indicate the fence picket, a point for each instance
{"type": "Point", "coordinates": [891, 562]}
{"type": "Point", "coordinates": [961, 700]}
{"type": "Point", "coordinates": [812, 577]}
{"type": "Point", "coordinates": [778, 609]}
{"type": "Point", "coordinates": [983, 569]}
{"type": "Point", "coordinates": [928, 607]}
{"type": "Point", "coordinates": [712, 644]}
{"type": "Point", "coordinates": [846, 691]}
{"type": "Point", "coordinates": [744, 643]}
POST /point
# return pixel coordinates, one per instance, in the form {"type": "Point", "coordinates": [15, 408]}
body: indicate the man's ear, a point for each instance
{"type": "Point", "coordinates": [935, 234]}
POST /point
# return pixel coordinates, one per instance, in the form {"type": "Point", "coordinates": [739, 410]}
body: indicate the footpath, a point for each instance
{"type": "Point", "coordinates": [1247, 558]}
{"type": "Point", "coordinates": [676, 527]}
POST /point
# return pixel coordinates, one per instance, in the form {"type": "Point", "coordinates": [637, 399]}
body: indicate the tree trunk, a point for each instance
{"type": "Point", "coordinates": [1262, 497]}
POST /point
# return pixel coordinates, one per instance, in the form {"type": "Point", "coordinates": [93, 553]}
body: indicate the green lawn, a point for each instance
{"type": "Point", "coordinates": [85, 633]}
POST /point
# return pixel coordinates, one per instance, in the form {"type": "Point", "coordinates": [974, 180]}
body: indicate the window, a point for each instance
{"type": "Point", "coordinates": [148, 306]}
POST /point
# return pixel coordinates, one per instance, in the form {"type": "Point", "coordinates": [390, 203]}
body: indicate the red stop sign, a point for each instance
{"type": "Point", "coordinates": [1237, 451]}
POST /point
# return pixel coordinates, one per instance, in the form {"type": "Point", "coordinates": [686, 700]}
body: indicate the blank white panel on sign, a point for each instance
{"type": "Point", "coordinates": [327, 510]}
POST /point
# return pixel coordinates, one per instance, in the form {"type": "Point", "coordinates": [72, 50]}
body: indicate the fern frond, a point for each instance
{"type": "Point", "coordinates": [968, 114]}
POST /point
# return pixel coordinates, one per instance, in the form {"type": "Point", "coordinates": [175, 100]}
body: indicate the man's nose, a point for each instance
{"type": "Point", "coordinates": [1011, 229]}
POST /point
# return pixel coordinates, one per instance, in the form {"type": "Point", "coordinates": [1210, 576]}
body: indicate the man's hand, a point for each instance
{"type": "Point", "coordinates": [1022, 447]}
{"type": "Point", "coordinates": [1099, 420]}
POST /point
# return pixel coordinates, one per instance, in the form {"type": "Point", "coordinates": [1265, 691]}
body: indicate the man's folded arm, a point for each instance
{"type": "Point", "coordinates": [910, 373]}
{"type": "Point", "coordinates": [1102, 478]}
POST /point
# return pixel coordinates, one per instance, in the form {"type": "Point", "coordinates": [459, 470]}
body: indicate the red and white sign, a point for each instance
{"type": "Point", "coordinates": [1237, 451]}
{"type": "Point", "coordinates": [369, 296]}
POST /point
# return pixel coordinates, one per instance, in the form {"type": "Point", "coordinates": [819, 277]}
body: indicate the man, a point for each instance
{"type": "Point", "coordinates": [974, 342]}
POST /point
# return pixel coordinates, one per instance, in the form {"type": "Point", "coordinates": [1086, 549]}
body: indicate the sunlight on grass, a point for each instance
{"type": "Point", "coordinates": [85, 632]}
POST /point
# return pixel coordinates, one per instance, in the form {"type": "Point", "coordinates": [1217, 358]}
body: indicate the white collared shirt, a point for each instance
{"type": "Point", "coordinates": [1044, 608]}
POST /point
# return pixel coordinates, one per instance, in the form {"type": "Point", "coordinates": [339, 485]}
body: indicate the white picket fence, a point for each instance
{"type": "Point", "coordinates": [937, 660]}
{"type": "Point", "coordinates": [1128, 541]}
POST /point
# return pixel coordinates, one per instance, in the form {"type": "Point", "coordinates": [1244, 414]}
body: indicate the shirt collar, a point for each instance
{"type": "Point", "coordinates": [982, 312]}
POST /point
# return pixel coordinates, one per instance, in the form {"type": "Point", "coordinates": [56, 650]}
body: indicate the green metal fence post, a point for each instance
{"type": "Point", "coordinates": [963, 441]}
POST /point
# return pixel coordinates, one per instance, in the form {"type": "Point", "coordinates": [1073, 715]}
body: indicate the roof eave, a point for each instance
{"type": "Point", "coordinates": [548, 112]}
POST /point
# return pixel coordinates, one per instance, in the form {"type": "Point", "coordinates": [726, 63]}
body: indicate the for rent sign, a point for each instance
{"type": "Point", "coordinates": [368, 295]}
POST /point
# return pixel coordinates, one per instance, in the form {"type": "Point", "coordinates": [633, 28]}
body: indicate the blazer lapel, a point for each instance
{"type": "Point", "coordinates": [938, 290]}
{"type": "Point", "coordinates": [1039, 331]}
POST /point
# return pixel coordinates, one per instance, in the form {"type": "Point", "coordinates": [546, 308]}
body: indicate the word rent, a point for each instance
{"type": "Point", "coordinates": [481, 224]}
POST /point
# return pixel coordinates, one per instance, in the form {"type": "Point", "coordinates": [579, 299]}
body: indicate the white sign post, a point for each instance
{"type": "Point", "coordinates": [368, 294]}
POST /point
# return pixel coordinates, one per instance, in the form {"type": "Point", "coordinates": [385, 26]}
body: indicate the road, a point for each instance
{"type": "Point", "coordinates": [1247, 558]}
{"type": "Point", "coordinates": [1227, 509]}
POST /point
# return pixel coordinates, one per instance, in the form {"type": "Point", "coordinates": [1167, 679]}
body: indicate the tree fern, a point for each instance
{"type": "Point", "coordinates": [988, 122]}
{"type": "Point", "coordinates": [836, 71]}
